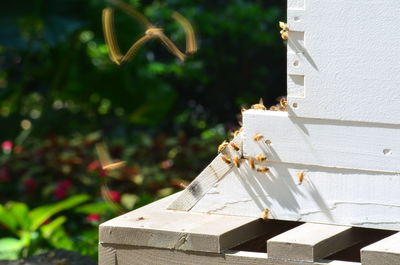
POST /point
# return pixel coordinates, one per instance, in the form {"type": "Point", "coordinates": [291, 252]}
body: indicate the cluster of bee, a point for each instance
{"type": "Point", "coordinates": [285, 30]}
{"type": "Point", "coordinates": [236, 160]}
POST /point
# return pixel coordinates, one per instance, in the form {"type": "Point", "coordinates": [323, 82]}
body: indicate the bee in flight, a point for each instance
{"type": "Point", "coordinates": [151, 32]}
{"type": "Point", "coordinates": [105, 159]}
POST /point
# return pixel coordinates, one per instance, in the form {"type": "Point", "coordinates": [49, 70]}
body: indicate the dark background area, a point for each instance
{"type": "Point", "coordinates": [60, 94]}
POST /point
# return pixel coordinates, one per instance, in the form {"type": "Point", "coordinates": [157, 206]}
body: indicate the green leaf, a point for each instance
{"type": "Point", "coordinates": [60, 239]}
{"type": "Point", "coordinates": [93, 208]}
{"type": "Point", "coordinates": [129, 200]}
{"type": "Point", "coordinates": [40, 214]}
{"type": "Point", "coordinates": [48, 229]}
{"type": "Point", "coordinates": [10, 248]}
{"type": "Point", "coordinates": [6, 218]}
{"type": "Point", "coordinates": [20, 212]}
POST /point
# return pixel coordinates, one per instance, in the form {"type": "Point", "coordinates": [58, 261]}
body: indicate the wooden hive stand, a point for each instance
{"type": "Point", "coordinates": [331, 178]}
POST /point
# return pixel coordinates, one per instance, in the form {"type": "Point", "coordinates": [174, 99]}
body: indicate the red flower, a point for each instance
{"type": "Point", "coordinates": [61, 190]}
{"type": "Point", "coordinates": [30, 184]}
{"type": "Point", "coordinates": [92, 218]}
{"type": "Point", "coordinates": [93, 166]}
{"type": "Point", "coordinates": [166, 164]}
{"type": "Point", "coordinates": [4, 175]}
{"type": "Point", "coordinates": [115, 196]}
{"type": "Point", "coordinates": [7, 146]}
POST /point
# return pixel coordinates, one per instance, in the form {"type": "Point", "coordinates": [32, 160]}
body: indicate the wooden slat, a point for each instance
{"type": "Point", "coordinates": [383, 252]}
{"type": "Point", "coordinates": [107, 255]}
{"type": "Point", "coordinates": [127, 255]}
{"type": "Point", "coordinates": [212, 174]}
{"type": "Point", "coordinates": [311, 242]}
{"type": "Point", "coordinates": [155, 226]}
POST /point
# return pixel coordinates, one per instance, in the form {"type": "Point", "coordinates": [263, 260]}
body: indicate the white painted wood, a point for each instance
{"type": "Point", "coordinates": [311, 242]}
{"type": "Point", "coordinates": [383, 252]}
{"type": "Point", "coordinates": [349, 58]}
{"type": "Point", "coordinates": [326, 195]}
{"type": "Point", "coordinates": [155, 226]}
{"type": "Point", "coordinates": [128, 255]}
{"type": "Point", "coordinates": [213, 173]}
{"type": "Point", "coordinates": [326, 143]}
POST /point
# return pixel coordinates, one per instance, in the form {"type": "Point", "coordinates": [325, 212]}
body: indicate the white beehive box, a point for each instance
{"type": "Point", "coordinates": [341, 131]}
{"type": "Point", "coordinates": [342, 128]}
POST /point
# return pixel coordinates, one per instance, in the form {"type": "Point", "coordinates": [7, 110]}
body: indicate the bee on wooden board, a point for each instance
{"type": "Point", "coordinates": [236, 161]}
{"type": "Point", "coordinates": [259, 105]}
{"type": "Point", "coordinates": [265, 214]}
{"type": "Point", "coordinates": [300, 176]}
{"type": "Point", "coordinates": [260, 158]}
{"type": "Point", "coordinates": [263, 169]}
{"type": "Point", "coordinates": [251, 163]}
{"type": "Point", "coordinates": [235, 133]}
{"type": "Point", "coordinates": [222, 146]}
{"type": "Point", "coordinates": [151, 32]}
{"type": "Point", "coordinates": [257, 137]}
{"type": "Point", "coordinates": [285, 30]}
{"type": "Point", "coordinates": [234, 146]}
{"type": "Point", "coordinates": [226, 159]}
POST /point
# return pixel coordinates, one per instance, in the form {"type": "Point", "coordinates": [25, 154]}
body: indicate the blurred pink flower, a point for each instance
{"type": "Point", "coordinates": [29, 184]}
{"type": "Point", "coordinates": [115, 196]}
{"type": "Point", "coordinates": [4, 175]}
{"type": "Point", "coordinates": [92, 218]}
{"type": "Point", "coordinates": [166, 164]}
{"type": "Point", "coordinates": [93, 166]}
{"type": "Point", "coordinates": [61, 190]}
{"type": "Point", "coordinates": [7, 146]}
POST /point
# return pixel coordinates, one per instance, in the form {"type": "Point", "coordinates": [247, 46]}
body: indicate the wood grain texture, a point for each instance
{"type": "Point", "coordinates": [383, 252]}
{"type": "Point", "coordinates": [155, 226]}
{"type": "Point", "coordinates": [312, 242]}
{"type": "Point", "coordinates": [326, 195]}
{"type": "Point", "coordinates": [128, 255]}
{"type": "Point", "coordinates": [213, 173]}
{"type": "Point", "coordinates": [349, 61]}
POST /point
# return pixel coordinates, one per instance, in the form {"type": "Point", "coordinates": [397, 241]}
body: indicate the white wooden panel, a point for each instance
{"type": "Point", "coordinates": [383, 252]}
{"type": "Point", "coordinates": [312, 242]}
{"type": "Point", "coordinates": [213, 173]}
{"type": "Point", "coordinates": [350, 59]}
{"type": "Point", "coordinates": [327, 143]}
{"type": "Point", "coordinates": [326, 195]}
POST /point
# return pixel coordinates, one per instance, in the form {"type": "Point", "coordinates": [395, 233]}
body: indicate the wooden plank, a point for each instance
{"type": "Point", "coordinates": [107, 254]}
{"type": "Point", "coordinates": [211, 175]}
{"type": "Point", "coordinates": [383, 252]}
{"type": "Point", "coordinates": [327, 143]}
{"type": "Point", "coordinates": [152, 256]}
{"type": "Point", "coordinates": [311, 242]}
{"type": "Point", "coordinates": [326, 195]}
{"type": "Point", "coordinates": [361, 82]}
{"type": "Point", "coordinates": [155, 226]}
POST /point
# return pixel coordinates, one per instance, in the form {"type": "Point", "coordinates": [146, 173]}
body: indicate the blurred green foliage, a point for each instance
{"type": "Point", "coordinates": [60, 94]}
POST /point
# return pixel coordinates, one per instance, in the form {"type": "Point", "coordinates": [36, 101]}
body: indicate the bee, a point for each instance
{"type": "Point", "coordinates": [259, 105]}
{"type": "Point", "coordinates": [226, 159]}
{"type": "Point", "coordinates": [263, 169]}
{"type": "Point", "coordinates": [300, 176]}
{"type": "Point", "coordinates": [283, 103]}
{"type": "Point", "coordinates": [235, 133]}
{"type": "Point", "coordinates": [236, 161]}
{"type": "Point", "coordinates": [235, 146]}
{"type": "Point", "coordinates": [257, 137]}
{"type": "Point", "coordinates": [265, 214]}
{"type": "Point", "coordinates": [105, 159]}
{"type": "Point", "coordinates": [285, 30]}
{"type": "Point", "coordinates": [222, 146]}
{"type": "Point", "coordinates": [260, 158]}
{"type": "Point", "coordinates": [251, 163]}
{"type": "Point", "coordinates": [151, 33]}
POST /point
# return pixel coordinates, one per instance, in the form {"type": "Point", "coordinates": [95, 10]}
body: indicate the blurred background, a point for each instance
{"type": "Point", "coordinates": [60, 95]}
